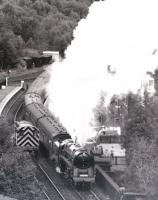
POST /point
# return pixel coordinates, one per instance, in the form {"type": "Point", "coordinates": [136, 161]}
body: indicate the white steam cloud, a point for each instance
{"type": "Point", "coordinates": [119, 33]}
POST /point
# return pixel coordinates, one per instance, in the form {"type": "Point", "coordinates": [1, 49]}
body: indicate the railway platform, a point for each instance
{"type": "Point", "coordinates": [6, 94]}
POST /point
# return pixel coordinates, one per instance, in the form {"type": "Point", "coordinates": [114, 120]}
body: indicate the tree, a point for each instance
{"type": "Point", "coordinates": [141, 141]}
{"type": "Point", "coordinates": [140, 121]}
{"type": "Point", "coordinates": [17, 175]}
{"type": "Point", "coordinates": [42, 7]}
{"type": "Point", "coordinates": [8, 51]}
{"type": "Point", "coordinates": [5, 133]}
{"type": "Point", "coordinates": [74, 6]}
{"type": "Point", "coordinates": [100, 112]}
{"type": "Point", "coordinates": [47, 24]}
{"type": "Point", "coordinates": [60, 35]}
{"type": "Point", "coordinates": [17, 169]}
{"type": "Point", "coordinates": [30, 44]}
{"type": "Point", "coordinates": [143, 169]}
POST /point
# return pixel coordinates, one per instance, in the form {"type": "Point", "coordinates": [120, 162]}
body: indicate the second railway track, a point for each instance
{"type": "Point", "coordinates": [11, 107]}
{"type": "Point", "coordinates": [53, 192]}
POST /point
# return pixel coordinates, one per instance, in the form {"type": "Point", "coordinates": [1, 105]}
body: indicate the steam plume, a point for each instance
{"type": "Point", "coordinates": [112, 50]}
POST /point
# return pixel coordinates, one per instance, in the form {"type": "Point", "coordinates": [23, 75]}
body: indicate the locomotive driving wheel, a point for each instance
{"type": "Point", "coordinates": [67, 173]}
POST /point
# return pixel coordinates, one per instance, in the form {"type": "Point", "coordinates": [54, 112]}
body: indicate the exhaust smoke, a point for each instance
{"type": "Point", "coordinates": [111, 53]}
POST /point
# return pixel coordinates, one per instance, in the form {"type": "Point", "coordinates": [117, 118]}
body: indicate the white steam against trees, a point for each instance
{"type": "Point", "coordinates": [112, 51]}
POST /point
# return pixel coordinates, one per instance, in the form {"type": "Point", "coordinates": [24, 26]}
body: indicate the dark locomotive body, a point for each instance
{"type": "Point", "coordinates": [76, 163]}
{"type": "Point", "coordinates": [71, 160]}
{"type": "Point", "coordinates": [27, 137]}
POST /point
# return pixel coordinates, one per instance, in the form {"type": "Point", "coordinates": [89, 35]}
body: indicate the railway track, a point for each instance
{"type": "Point", "coordinates": [61, 185]}
{"type": "Point", "coordinates": [100, 193]}
{"type": "Point", "coordinates": [11, 110]}
{"type": "Point", "coordinates": [95, 193]}
{"type": "Point", "coordinates": [11, 107]}
{"type": "Point", "coordinates": [19, 114]}
{"type": "Point", "coordinates": [55, 185]}
{"type": "Point", "coordinates": [87, 195]}
{"type": "Point", "coordinates": [52, 192]}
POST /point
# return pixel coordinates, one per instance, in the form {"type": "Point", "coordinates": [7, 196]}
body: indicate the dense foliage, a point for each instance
{"type": "Point", "coordinates": [5, 135]}
{"type": "Point", "coordinates": [138, 118]}
{"type": "Point", "coordinates": [111, 115]}
{"type": "Point", "coordinates": [17, 174]}
{"type": "Point", "coordinates": [141, 143]}
{"type": "Point", "coordinates": [100, 112]}
{"type": "Point", "coordinates": [39, 24]}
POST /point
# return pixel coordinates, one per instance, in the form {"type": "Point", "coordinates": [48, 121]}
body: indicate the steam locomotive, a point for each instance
{"type": "Point", "coordinates": [73, 161]}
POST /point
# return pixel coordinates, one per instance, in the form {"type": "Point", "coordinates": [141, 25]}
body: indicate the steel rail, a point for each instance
{"type": "Point", "coordinates": [17, 111]}
{"type": "Point", "coordinates": [83, 196]}
{"type": "Point", "coordinates": [10, 104]}
{"type": "Point", "coordinates": [97, 198]}
{"type": "Point", "coordinates": [46, 195]}
{"type": "Point", "coordinates": [52, 183]}
{"type": "Point", "coordinates": [80, 196]}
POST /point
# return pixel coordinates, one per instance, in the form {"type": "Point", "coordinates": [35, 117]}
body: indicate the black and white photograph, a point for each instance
{"type": "Point", "coordinates": [78, 100]}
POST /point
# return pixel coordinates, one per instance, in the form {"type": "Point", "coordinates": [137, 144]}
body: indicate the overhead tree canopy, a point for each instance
{"type": "Point", "coordinates": [47, 24]}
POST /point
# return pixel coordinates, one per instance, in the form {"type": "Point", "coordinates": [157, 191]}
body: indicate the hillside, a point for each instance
{"type": "Point", "coordinates": [37, 24]}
